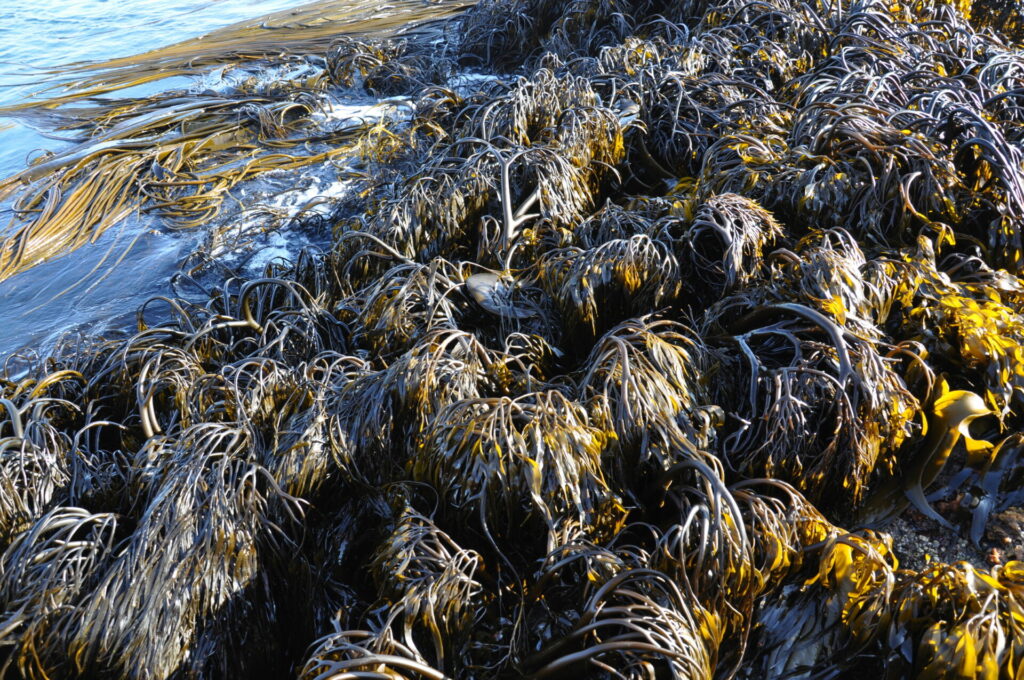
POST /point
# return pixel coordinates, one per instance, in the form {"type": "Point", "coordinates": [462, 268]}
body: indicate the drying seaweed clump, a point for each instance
{"type": "Point", "coordinates": [646, 322]}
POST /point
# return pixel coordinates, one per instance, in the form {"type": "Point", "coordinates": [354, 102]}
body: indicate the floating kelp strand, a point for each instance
{"type": "Point", "coordinates": [187, 147]}
{"type": "Point", "coordinates": [100, 179]}
{"type": "Point", "coordinates": [309, 29]}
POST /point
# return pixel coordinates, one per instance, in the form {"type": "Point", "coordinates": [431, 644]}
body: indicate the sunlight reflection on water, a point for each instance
{"type": "Point", "coordinates": [33, 37]}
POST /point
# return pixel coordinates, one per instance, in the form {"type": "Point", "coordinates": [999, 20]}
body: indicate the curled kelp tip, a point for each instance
{"type": "Point", "coordinates": [637, 620]}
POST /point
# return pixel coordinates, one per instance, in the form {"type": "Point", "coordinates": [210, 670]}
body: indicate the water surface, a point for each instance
{"type": "Point", "coordinates": [96, 287]}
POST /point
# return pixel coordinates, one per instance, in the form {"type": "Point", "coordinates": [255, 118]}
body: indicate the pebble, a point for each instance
{"type": "Point", "coordinates": [918, 540]}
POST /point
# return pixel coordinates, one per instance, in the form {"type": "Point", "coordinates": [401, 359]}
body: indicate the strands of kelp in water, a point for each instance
{"type": "Point", "coordinates": [310, 29]}
{"type": "Point", "coordinates": [589, 383]}
{"type": "Point", "coordinates": [179, 153]}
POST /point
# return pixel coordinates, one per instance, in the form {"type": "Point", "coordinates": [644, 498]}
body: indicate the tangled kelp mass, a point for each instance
{"type": "Point", "coordinates": [619, 364]}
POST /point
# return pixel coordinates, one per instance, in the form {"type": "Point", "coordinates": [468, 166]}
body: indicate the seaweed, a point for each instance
{"type": "Point", "coordinates": [619, 365]}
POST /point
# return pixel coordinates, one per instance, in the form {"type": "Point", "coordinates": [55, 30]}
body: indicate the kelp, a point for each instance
{"type": "Point", "coordinates": [539, 448]}
{"type": "Point", "coordinates": [179, 153]}
{"type": "Point", "coordinates": [45, 570]}
{"type": "Point", "coordinates": [619, 364]}
{"type": "Point", "coordinates": [636, 621]}
{"type": "Point", "coordinates": [431, 581]}
{"type": "Point", "coordinates": [821, 407]}
{"type": "Point", "coordinates": [309, 29]}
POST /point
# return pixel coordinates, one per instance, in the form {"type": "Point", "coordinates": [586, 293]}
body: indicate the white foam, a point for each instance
{"type": "Point", "coordinates": [276, 225]}
{"type": "Point", "coordinates": [227, 78]}
{"type": "Point", "coordinates": [278, 202]}
{"type": "Point", "coordinates": [335, 114]}
{"type": "Point", "coordinates": [467, 83]}
{"type": "Point", "coordinates": [283, 245]}
{"type": "Point", "coordinates": [314, 198]}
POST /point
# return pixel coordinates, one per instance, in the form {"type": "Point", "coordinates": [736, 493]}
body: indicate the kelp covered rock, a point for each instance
{"type": "Point", "coordinates": [604, 355]}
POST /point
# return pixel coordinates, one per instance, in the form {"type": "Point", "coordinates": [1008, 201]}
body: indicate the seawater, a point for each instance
{"type": "Point", "coordinates": [84, 290]}
{"type": "Point", "coordinates": [35, 37]}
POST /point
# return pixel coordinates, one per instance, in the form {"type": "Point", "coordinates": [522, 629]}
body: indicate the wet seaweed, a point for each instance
{"type": "Point", "coordinates": [618, 365]}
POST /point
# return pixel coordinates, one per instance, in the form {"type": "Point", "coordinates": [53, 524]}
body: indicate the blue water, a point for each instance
{"type": "Point", "coordinates": [39, 35]}
{"type": "Point", "coordinates": [35, 35]}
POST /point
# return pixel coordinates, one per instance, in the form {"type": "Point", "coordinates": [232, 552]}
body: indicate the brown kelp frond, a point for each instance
{"type": "Point", "coordinates": [829, 621]}
{"type": "Point", "coordinates": [525, 182]}
{"type": "Point", "coordinates": [556, 105]}
{"type": "Point", "coordinates": [596, 348]}
{"type": "Point", "coordinates": [298, 453]}
{"type": "Point", "coordinates": [505, 34]}
{"type": "Point", "coordinates": [1004, 17]}
{"type": "Point", "coordinates": [780, 525]}
{"type": "Point", "coordinates": [29, 477]}
{"type": "Point", "coordinates": [366, 654]}
{"type": "Point", "coordinates": [178, 154]}
{"type": "Point", "coordinates": [733, 547]}
{"type": "Point", "coordinates": [527, 363]}
{"type": "Point", "coordinates": [162, 390]}
{"type": "Point", "coordinates": [637, 623]}
{"type": "Point", "coordinates": [405, 304]}
{"type": "Point", "coordinates": [262, 395]}
{"type": "Point", "coordinates": [944, 618]}
{"type": "Point", "coordinates": [723, 246]}
{"type": "Point", "coordinates": [291, 323]}
{"type": "Point", "coordinates": [612, 222]}
{"type": "Point", "coordinates": [200, 490]}
{"type": "Point", "coordinates": [911, 179]}
{"type": "Point", "coordinates": [597, 288]}
{"type": "Point", "coordinates": [963, 613]}
{"type": "Point", "coordinates": [430, 582]}
{"type": "Point", "coordinates": [829, 272]}
{"type": "Point", "coordinates": [974, 311]}
{"type": "Point", "coordinates": [747, 165]}
{"type": "Point", "coordinates": [515, 463]}
{"type": "Point", "coordinates": [647, 374]}
{"type": "Point", "coordinates": [532, 160]}
{"type": "Point", "coordinates": [991, 484]}
{"type": "Point", "coordinates": [375, 415]}
{"type": "Point", "coordinates": [267, 317]}
{"type": "Point", "coordinates": [384, 68]}
{"type": "Point", "coordinates": [706, 535]}
{"type": "Point", "coordinates": [830, 407]}
{"type": "Point", "coordinates": [949, 414]}
{"type": "Point", "coordinates": [45, 572]}
{"type": "Point", "coordinates": [501, 34]}
{"type": "Point", "coordinates": [35, 448]}
{"type": "Point", "coordinates": [684, 114]}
